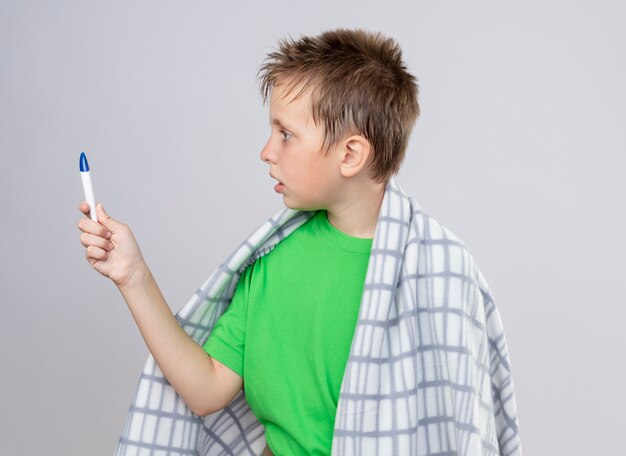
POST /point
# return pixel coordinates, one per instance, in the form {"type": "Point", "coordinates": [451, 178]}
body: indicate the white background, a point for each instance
{"type": "Point", "coordinates": [519, 151]}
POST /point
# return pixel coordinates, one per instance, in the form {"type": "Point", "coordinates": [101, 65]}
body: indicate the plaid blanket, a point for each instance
{"type": "Point", "coordinates": [428, 371]}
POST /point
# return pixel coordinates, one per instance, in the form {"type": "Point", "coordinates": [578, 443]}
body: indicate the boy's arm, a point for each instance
{"type": "Point", "coordinates": [205, 384]}
{"type": "Point", "coordinates": [111, 249]}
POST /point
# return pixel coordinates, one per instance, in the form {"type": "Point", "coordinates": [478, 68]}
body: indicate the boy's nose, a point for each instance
{"type": "Point", "coordinates": [266, 153]}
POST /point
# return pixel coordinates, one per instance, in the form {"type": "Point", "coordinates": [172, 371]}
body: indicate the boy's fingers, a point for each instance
{"type": "Point", "coordinates": [88, 239]}
{"type": "Point", "coordinates": [106, 220]}
{"type": "Point", "coordinates": [87, 225]}
{"type": "Point", "coordinates": [95, 253]}
{"type": "Point", "coordinates": [84, 208]}
{"type": "Point", "coordinates": [103, 217]}
{"type": "Point", "coordinates": [105, 225]}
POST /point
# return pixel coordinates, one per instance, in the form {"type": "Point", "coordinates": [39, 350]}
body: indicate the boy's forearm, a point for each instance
{"type": "Point", "coordinates": [184, 363]}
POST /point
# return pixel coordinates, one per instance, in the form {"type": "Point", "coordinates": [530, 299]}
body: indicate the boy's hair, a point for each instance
{"type": "Point", "coordinates": [357, 81]}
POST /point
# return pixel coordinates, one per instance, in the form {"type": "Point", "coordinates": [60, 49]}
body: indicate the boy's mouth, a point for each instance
{"type": "Point", "coordinates": [273, 177]}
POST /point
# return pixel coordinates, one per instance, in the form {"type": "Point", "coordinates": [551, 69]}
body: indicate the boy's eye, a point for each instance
{"type": "Point", "coordinates": [285, 134]}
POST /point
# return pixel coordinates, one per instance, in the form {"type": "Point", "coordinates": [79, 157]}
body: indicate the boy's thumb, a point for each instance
{"type": "Point", "coordinates": [103, 217]}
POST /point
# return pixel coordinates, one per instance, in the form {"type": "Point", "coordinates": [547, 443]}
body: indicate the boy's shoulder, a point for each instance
{"type": "Point", "coordinates": [441, 247]}
{"type": "Point", "coordinates": [432, 229]}
{"type": "Point", "coordinates": [314, 235]}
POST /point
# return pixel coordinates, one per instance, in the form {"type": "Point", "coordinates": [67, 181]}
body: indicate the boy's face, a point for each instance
{"type": "Point", "coordinates": [310, 180]}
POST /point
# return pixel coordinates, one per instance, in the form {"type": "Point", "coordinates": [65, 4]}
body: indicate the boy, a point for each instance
{"type": "Point", "coordinates": [318, 324]}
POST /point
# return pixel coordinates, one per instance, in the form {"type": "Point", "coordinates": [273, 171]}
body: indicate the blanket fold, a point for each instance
{"type": "Point", "coordinates": [428, 371]}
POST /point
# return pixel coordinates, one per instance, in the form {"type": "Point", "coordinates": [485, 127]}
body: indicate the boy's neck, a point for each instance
{"type": "Point", "coordinates": [356, 214]}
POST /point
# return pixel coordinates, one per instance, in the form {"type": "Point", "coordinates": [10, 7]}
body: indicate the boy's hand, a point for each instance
{"type": "Point", "coordinates": [111, 247]}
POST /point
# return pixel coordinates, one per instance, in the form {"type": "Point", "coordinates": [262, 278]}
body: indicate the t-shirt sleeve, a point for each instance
{"type": "Point", "coordinates": [227, 341]}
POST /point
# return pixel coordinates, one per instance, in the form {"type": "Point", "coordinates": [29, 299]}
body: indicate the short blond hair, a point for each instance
{"type": "Point", "coordinates": [357, 81]}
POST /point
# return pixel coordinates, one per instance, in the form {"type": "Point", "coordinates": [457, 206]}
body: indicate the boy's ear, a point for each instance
{"type": "Point", "coordinates": [355, 154]}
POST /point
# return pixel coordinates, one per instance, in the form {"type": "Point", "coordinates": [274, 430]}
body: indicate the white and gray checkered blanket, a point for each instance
{"type": "Point", "coordinates": [428, 371]}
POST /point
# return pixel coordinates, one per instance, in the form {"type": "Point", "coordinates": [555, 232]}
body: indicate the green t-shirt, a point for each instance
{"type": "Point", "coordinates": [288, 330]}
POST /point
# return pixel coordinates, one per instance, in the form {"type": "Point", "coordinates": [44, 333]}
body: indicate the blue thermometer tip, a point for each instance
{"type": "Point", "coordinates": [84, 166]}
